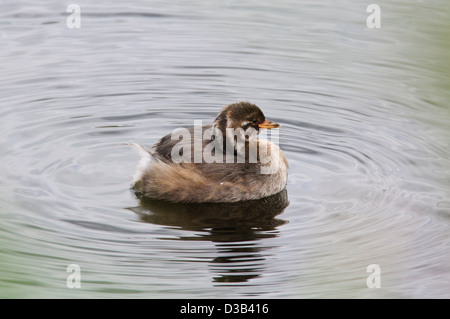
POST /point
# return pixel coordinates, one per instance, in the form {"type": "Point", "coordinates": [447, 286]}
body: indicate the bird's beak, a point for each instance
{"type": "Point", "coordinates": [268, 124]}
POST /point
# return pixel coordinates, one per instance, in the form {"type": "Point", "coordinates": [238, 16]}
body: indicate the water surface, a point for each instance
{"type": "Point", "coordinates": [365, 116]}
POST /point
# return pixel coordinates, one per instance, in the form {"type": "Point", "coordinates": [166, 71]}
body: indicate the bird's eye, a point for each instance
{"type": "Point", "coordinates": [254, 121]}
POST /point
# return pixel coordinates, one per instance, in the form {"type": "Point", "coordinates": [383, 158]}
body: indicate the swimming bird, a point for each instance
{"type": "Point", "coordinates": [218, 163]}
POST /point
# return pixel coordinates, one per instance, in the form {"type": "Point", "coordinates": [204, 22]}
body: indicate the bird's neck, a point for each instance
{"type": "Point", "coordinates": [238, 142]}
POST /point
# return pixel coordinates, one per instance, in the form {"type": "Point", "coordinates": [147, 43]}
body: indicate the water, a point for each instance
{"type": "Point", "coordinates": [365, 118]}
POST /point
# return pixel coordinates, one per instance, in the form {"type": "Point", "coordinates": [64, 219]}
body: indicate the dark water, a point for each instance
{"type": "Point", "coordinates": [365, 116]}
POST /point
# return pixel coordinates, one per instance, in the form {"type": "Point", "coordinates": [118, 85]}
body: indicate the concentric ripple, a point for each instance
{"type": "Point", "coordinates": [364, 117]}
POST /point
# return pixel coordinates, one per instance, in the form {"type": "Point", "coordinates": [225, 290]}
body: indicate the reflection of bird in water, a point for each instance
{"type": "Point", "coordinates": [234, 227]}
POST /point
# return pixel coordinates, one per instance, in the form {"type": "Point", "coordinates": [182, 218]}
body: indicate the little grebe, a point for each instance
{"type": "Point", "coordinates": [222, 162]}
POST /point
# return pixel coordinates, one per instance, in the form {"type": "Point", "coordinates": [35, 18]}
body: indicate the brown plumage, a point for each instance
{"type": "Point", "coordinates": [161, 176]}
